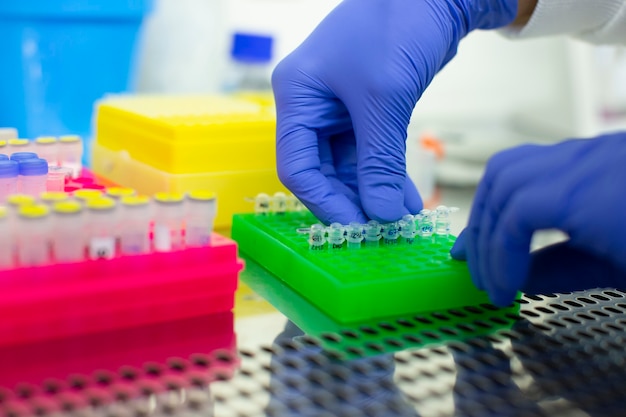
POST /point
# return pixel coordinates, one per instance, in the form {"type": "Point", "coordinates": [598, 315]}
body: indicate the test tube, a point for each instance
{"type": "Point", "coordinates": [293, 204]}
{"type": "Point", "coordinates": [317, 237]}
{"type": "Point", "coordinates": [33, 233]}
{"type": "Point", "coordinates": [50, 198]}
{"type": "Point", "coordinates": [6, 241]}
{"type": "Point", "coordinates": [4, 157]}
{"type": "Point", "coordinates": [18, 145]}
{"type": "Point", "coordinates": [57, 177]}
{"type": "Point", "coordinates": [85, 195]}
{"type": "Point", "coordinates": [425, 225]}
{"type": "Point", "coordinates": [336, 235]}
{"type": "Point", "coordinates": [168, 221]}
{"type": "Point", "coordinates": [33, 176]}
{"type": "Point", "coordinates": [407, 229]}
{"type": "Point", "coordinates": [442, 220]}
{"type": "Point", "coordinates": [9, 171]}
{"type": "Point", "coordinates": [390, 233]}
{"type": "Point", "coordinates": [262, 203]}
{"type": "Point", "coordinates": [201, 212]}
{"type": "Point", "coordinates": [118, 193]}
{"type": "Point", "coordinates": [278, 203]}
{"type": "Point", "coordinates": [21, 156]}
{"type": "Point", "coordinates": [372, 232]}
{"type": "Point", "coordinates": [134, 225]}
{"type": "Point", "coordinates": [7, 133]}
{"type": "Point", "coordinates": [101, 219]}
{"type": "Point", "coordinates": [68, 244]}
{"type": "Point", "coordinates": [354, 235]}
{"type": "Point", "coordinates": [47, 148]}
{"type": "Point", "coordinates": [71, 153]}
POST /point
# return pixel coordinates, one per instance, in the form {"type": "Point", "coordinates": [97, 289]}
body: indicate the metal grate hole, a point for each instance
{"type": "Point", "coordinates": [405, 323]}
{"type": "Point", "coordinates": [368, 330]}
{"type": "Point", "coordinates": [573, 303]}
{"type": "Point", "coordinates": [387, 326]}
{"type": "Point", "coordinates": [412, 338]}
{"type": "Point", "coordinates": [612, 310]}
{"type": "Point", "coordinates": [422, 320]}
{"type": "Point", "coordinates": [613, 294]}
{"type": "Point", "coordinates": [350, 334]}
{"type": "Point", "coordinates": [599, 297]}
{"type": "Point", "coordinates": [440, 316]}
{"type": "Point", "coordinates": [331, 337]}
{"type": "Point", "coordinates": [586, 300]}
{"type": "Point", "coordinates": [544, 310]}
{"type": "Point", "coordinates": [457, 313]}
{"type": "Point", "coordinates": [559, 307]}
{"type": "Point", "coordinates": [533, 297]}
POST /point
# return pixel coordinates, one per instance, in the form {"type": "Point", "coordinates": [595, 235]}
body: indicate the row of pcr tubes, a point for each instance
{"type": "Point", "coordinates": [278, 203]}
{"type": "Point", "coordinates": [93, 225]}
{"type": "Point", "coordinates": [425, 224]}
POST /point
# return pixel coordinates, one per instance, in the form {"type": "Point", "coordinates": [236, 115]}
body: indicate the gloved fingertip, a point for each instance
{"type": "Point", "coordinates": [458, 251]}
{"type": "Point", "coordinates": [384, 205]}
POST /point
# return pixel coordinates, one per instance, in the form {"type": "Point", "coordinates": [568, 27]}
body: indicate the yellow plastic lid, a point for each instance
{"type": "Point", "coordinates": [202, 195]}
{"type": "Point", "coordinates": [135, 200]}
{"type": "Point", "coordinates": [102, 203]}
{"type": "Point", "coordinates": [3, 143]}
{"type": "Point", "coordinates": [87, 194]}
{"type": "Point", "coordinates": [46, 140]}
{"type": "Point", "coordinates": [120, 191]}
{"type": "Point", "coordinates": [169, 197]}
{"type": "Point", "coordinates": [34, 211]}
{"type": "Point", "coordinates": [18, 142]}
{"type": "Point", "coordinates": [53, 196]}
{"type": "Point", "coordinates": [20, 199]}
{"type": "Point", "coordinates": [69, 138]}
{"type": "Point", "coordinates": [67, 207]}
{"type": "Point", "coordinates": [3, 212]}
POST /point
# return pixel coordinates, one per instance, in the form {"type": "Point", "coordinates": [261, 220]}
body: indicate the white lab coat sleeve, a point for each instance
{"type": "Point", "coordinates": [597, 21]}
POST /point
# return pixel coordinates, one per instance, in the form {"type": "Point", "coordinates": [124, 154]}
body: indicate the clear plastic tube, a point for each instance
{"type": "Point", "coordinates": [200, 217]}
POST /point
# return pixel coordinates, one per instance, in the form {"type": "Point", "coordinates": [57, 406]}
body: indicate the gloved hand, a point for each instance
{"type": "Point", "coordinates": [344, 99]}
{"type": "Point", "coordinates": [576, 186]}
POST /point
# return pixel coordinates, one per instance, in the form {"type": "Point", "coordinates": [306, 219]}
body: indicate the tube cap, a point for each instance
{"type": "Point", "coordinates": [119, 192]}
{"type": "Point", "coordinates": [169, 197]}
{"type": "Point", "coordinates": [9, 169]}
{"type": "Point", "coordinates": [67, 207]}
{"type": "Point", "coordinates": [46, 140]}
{"type": "Point", "coordinates": [21, 156]}
{"type": "Point", "coordinates": [135, 200]}
{"type": "Point", "coordinates": [33, 211]}
{"type": "Point", "coordinates": [20, 199]}
{"type": "Point", "coordinates": [69, 139]}
{"type": "Point", "coordinates": [33, 167]}
{"type": "Point", "coordinates": [102, 203]}
{"type": "Point", "coordinates": [18, 142]}
{"type": "Point", "coordinates": [4, 157]}
{"type": "Point", "coordinates": [86, 195]}
{"type": "Point", "coordinates": [53, 196]}
{"type": "Point", "coordinates": [202, 195]}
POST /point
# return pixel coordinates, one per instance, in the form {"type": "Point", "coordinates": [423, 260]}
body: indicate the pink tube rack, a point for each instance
{"type": "Point", "coordinates": [63, 300]}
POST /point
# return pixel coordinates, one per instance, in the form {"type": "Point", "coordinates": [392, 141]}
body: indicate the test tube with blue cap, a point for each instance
{"type": "Point", "coordinates": [200, 217]}
{"type": "Point", "coordinates": [68, 225]}
{"type": "Point", "coordinates": [134, 225]}
{"type": "Point", "coordinates": [33, 235]}
{"type": "Point", "coordinates": [7, 260]}
{"type": "Point", "coordinates": [9, 173]}
{"type": "Point", "coordinates": [33, 176]}
{"type": "Point", "coordinates": [21, 156]}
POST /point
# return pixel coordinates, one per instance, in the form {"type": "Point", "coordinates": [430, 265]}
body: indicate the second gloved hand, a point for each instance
{"type": "Point", "coordinates": [344, 100]}
{"type": "Point", "coordinates": [576, 186]}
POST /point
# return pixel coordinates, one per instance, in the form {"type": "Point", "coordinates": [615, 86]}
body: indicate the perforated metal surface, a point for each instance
{"type": "Point", "coordinates": [564, 356]}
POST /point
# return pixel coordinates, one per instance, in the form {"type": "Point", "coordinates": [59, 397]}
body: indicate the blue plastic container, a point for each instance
{"type": "Point", "coordinates": [60, 56]}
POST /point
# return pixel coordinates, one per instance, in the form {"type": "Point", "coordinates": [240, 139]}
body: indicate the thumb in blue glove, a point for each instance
{"type": "Point", "coordinates": [344, 100]}
{"type": "Point", "coordinates": [576, 187]}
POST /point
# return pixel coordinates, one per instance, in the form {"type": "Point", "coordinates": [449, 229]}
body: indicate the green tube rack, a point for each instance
{"type": "Point", "coordinates": [352, 285]}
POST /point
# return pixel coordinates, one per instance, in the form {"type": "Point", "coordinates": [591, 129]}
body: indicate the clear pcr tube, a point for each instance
{"type": "Point", "coordinates": [47, 148]}
{"type": "Point", "coordinates": [425, 224]}
{"type": "Point", "coordinates": [390, 233]}
{"type": "Point", "coordinates": [7, 260]}
{"type": "Point", "coordinates": [100, 221]}
{"type": "Point", "coordinates": [68, 244]}
{"type": "Point", "coordinates": [442, 220]}
{"type": "Point", "coordinates": [372, 232]}
{"type": "Point", "coordinates": [33, 176]}
{"type": "Point", "coordinates": [134, 225]}
{"type": "Point", "coordinates": [317, 237]}
{"type": "Point", "coordinates": [278, 203]}
{"type": "Point", "coordinates": [71, 153]}
{"type": "Point", "coordinates": [18, 145]}
{"type": "Point", "coordinates": [200, 217]}
{"type": "Point", "coordinates": [262, 203]}
{"type": "Point", "coordinates": [169, 212]}
{"type": "Point", "coordinates": [354, 235]}
{"type": "Point", "coordinates": [336, 236]}
{"type": "Point", "coordinates": [407, 229]}
{"type": "Point", "coordinates": [33, 233]}
{"type": "Point", "coordinates": [293, 204]}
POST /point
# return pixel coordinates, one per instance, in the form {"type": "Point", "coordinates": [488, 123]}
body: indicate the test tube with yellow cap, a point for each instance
{"type": "Point", "coordinates": [100, 219]}
{"type": "Point", "coordinates": [200, 216]}
{"type": "Point", "coordinates": [18, 145]}
{"type": "Point", "coordinates": [46, 147]}
{"type": "Point", "coordinates": [33, 234]}
{"type": "Point", "coordinates": [68, 222]}
{"type": "Point", "coordinates": [71, 153]}
{"type": "Point", "coordinates": [84, 195]}
{"type": "Point", "coordinates": [119, 192]}
{"type": "Point", "coordinates": [169, 212]}
{"type": "Point", "coordinates": [52, 197]}
{"type": "Point", "coordinates": [6, 241]}
{"type": "Point", "coordinates": [134, 225]}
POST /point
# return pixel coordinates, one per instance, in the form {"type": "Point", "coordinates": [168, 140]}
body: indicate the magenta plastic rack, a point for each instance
{"type": "Point", "coordinates": [64, 300]}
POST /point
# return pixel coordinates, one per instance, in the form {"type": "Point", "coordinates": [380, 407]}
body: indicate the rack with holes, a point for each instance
{"type": "Point", "coordinates": [372, 281]}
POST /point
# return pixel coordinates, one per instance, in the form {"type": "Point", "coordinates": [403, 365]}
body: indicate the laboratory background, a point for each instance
{"type": "Point", "coordinates": [152, 264]}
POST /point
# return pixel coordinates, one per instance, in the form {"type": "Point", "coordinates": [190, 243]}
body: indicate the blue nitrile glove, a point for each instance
{"type": "Point", "coordinates": [576, 186]}
{"type": "Point", "coordinates": [345, 96]}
